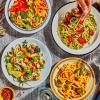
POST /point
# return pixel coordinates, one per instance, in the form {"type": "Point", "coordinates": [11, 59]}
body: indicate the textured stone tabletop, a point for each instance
{"type": "Point", "coordinates": [46, 37]}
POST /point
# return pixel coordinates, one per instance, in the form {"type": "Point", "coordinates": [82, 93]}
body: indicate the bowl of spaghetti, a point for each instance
{"type": "Point", "coordinates": [72, 78]}
{"type": "Point", "coordinates": [71, 35]}
{"type": "Point", "coordinates": [28, 16]}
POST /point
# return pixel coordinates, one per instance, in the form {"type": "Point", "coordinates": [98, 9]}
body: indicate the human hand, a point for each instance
{"type": "Point", "coordinates": [83, 9]}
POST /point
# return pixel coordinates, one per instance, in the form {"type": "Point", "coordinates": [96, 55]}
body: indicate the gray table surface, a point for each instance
{"type": "Point", "coordinates": [46, 37]}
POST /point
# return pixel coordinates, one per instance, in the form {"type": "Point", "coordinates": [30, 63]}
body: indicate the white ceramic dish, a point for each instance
{"type": "Point", "coordinates": [25, 31]}
{"type": "Point", "coordinates": [44, 73]}
{"type": "Point", "coordinates": [95, 40]}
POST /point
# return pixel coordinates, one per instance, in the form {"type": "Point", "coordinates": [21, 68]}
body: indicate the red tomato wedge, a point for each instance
{"type": "Point", "coordinates": [81, 40]}
{"type": "Point", "coordinates": [91, 33]}
{"type": "Point", "coordinates": [69, 39]}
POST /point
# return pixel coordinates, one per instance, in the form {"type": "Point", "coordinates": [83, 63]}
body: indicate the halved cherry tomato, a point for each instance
{"type": "Point", "coordinates": [91, 33]}
{"type": "Point", "coordinates": [69, 39]}
{"type": "Point", "coordinates": [81, 40]}
{"type": "Point", "coordinates": [79, 30]}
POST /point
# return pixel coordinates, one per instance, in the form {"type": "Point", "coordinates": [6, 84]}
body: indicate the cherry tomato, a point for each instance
{"type": "Point", "coordinates": [81, 40]}
{"type": "Point", "coordinates": [69, 39]}
{"type": "Point", "coordinates": [91, 33]}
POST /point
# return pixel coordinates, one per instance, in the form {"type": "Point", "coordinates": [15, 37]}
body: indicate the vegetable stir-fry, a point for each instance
{"type": "Point", "coordinates": [75, 35]}
{"type": "Point", "coordinates": [25, 62]}
{"type": "Point", "coordinates": [28, 14]}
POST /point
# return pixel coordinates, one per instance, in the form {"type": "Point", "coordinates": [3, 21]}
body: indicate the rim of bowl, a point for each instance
{"type": "Point", "coordinates": [26, 31]}
{"type": "Point", "coordinates": [29, 86]}
{"type": "Point", "coordinates": [86, 95]}
{"type": "Point", "coordinates": [82, 51]}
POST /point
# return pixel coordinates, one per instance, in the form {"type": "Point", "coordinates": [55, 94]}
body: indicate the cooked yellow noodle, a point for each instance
{"type": "Point", "coordinates": [72, 80]}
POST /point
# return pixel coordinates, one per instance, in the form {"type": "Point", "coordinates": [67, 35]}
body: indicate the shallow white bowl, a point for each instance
{"type": "Point", "coordinates": [95, 40]}
{"type": "Point", "coordinates": [44, 72]}
{"type": "Point", "coordinates": [25, 31]}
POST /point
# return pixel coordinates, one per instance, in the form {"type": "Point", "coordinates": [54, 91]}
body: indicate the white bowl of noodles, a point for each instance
{"type": "Point", "coordinates": [74, 47]}
{"type": "Point", "coordinates": [27, 17]}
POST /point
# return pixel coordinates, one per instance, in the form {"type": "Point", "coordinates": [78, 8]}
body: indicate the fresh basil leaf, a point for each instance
{"type": "Point", "coordinates": [23, 15]}
{"type": "Point", "coordinates": [29, 72]}
{"type": "Point", "coordinates": [22, 56]}
{"type": "Point", "coordinates": [19, 13]}
{"type": "Point", "coordinates": [37, 49]}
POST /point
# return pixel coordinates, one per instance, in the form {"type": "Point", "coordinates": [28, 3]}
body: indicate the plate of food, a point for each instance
{"type": "Point", "coordinates": [26, 62]}
{"type": "Point", "coordinates": [73, 37]}
{"type": "Point", "coordinates": [6, 93]}
{"type": "Point", "coordinates": [28, 16]}
{"type": "Point", "coordinates": [72, 78]}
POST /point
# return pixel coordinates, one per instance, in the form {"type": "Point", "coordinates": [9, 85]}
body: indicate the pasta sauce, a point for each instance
{"type": "Point", "coordinates": [7, 94]}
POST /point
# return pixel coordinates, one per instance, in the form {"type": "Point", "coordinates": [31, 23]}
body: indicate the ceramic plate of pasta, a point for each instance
{"type": "Point", "coordinates": [72, 78]}
{"type": "Point", "coordinates": [28, 16]}
{"type": "Point", "coordinates": [73, 36]}
{"type": "Point", "coordinates": [26, 62]}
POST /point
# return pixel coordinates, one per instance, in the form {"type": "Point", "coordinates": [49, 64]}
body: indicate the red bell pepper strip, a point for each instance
{"type": "Point", "coordinates": [19, 6]}
{"type": "Point", "coordinates": [79, 30]}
